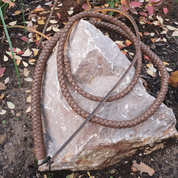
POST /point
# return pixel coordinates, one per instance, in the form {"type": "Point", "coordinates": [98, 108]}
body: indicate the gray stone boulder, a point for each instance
{"type": "Point", "coordinates": [97, 64]}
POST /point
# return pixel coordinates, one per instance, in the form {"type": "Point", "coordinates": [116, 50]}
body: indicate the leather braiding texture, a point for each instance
{"type": "Point", "coordinates": [63, 69]}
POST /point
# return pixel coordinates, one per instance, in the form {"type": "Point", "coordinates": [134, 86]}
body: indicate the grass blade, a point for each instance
{"type": "Point", "coordinates": [10, 45]}
{"type": "Point", "coordinates": [24, 24]}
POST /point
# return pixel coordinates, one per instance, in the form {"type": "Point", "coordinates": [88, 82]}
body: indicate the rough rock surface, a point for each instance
{"type": "Point", "coordinates": [97, 64]}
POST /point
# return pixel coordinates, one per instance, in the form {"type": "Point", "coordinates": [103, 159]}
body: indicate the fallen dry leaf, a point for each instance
{"type": "Point", "coordinates": [24, 38]}
{"type": "Point", "coordinates": [27, 53]}
{"type": "Point", "coordinates": [151, 73]}
{"type": "Point", "coordinates": [28, 79]}
{"type": "Point", "coordinates": [6, 80]}
{"type": "Point", "coordinates": [9, 53]}
{"type": "Point", "coordinates": [10, 105]}
{"type": "Point", "coordinates": [124, 52]}
{"type": "Point", "coordinates": [56, 29]}
{"type": "Point", "coordinates": [5, 58]}
{"type": "Point", "coordinates": [38, 10]}
{"type": "Point", "coordinates": [2, 86]}
{"type": "Point", "coordinates": [175, 33]}
{"type": "Point", "coordinates": [31, 61]}
{"type": "Point", "coordinates": [26, 72]}
{"type": "Point", "coordinates": [37, 37]}
{"type": "Point", "coordinates": [86, 7]}
{"type": "Point", "coordinates": [144, 14]}
{"type": "Point", "coordinates": [41, 22]}
{"type": "Point", "coordinates": [20, 52]}
{"type": "Point", "coordinates": [2, 96]}
{"type": "Point", "coordinates": [58, 15]}
{"type": "Point", "coordinates": [152, 34]}
{"type": "Point", "coordinates": [2, 112]}
{"type": "Point", "coordinates": [29, 99]}
{"type": "Point", "coordinates": [7, 1]}
{"type": "Point", "coordinates": [165, 63]}
{"type": "Point", "coordinates": [156, 2]}
{"type": "Point", "coordinates": [27, 91]}
{"type": "Point", "coordinates": [59, 4]}
{"type": "Point", "coordinates": [28, 109]}
{"type": "Point", "coordinates": [133, 10]}
{"type": "Point", "coordinates": [70, 12]}
{"type": "Point", "coordinates": [168, 69]}
{"type": "Point", "coordinates": [128, 43]}
{"type": "Point", "coordinates": [171, 27]}
{"type": "Point", "coordinates": [135, 4]}
{"type": "Point", "coordinates": [160, 19]}
{"type": "Point", "coordinates": [173, 79]}
{"type": "Point", "coordinates": [18, 114]}
{"type": "Point", "coordinates": [2, 70]}
{"type": "Point", "coordinates": [124, 4]}
{"type": "Point", "coordinates": [18, 62]}
{"type": "Point", "coordinates": [142, 168]}
{"type": "Point", "coordinates": [14, 50]}
{"type": "Point", "coordinates": [13, 23]}
{"type": "Point", "coordinates": [25, 64]}
{"type": "Point", "coordinates": [53, 21]}
{"type": "Point", "coordinates": [35, 51]}
{"type": "Point", "coordinates": [165, 10]}
{"type": "Point", "coordinates": [150, 8]}
{"type": "Point", "coordinates": [17, 12]}
{"type": "Point", "coordinates": [48, 3]}
{"type": "Point", "coordinates": [153, 40]}
{"type": "Point", "coordinates": [17, 57]}
{"type": "Point", "coordinates": [49, 28]}
{"type": "Point", "coordinates": [120, 44]}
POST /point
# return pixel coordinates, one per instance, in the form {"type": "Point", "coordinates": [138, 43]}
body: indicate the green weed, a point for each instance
{"type": "Point", "coordinates": [3, 8]}
{"type": "Point", "coordinates": [10, 45]}
{"type": "Point", "coordinates": [111, 4]}
{"type": "Point", "coordinates": [36, 161]}
{"type": "Point", "coordinates": [24, 24]}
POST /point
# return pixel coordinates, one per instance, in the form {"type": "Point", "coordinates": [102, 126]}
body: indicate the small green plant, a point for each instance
{"type": "Point", "coordinates": [36, 161]}
{"type": "Point", "coordinates": [111, 4]}
{"type": "Point", "coordinates": [24, 24]}
{"type": "Point", "coordinates": [51, 175]}
{"type": "Point", "coordinates": [70, 176]}
{"type": "Point", "coordinates": [4, 121]}
{"type": "Point", "coordinates": [3, 8]}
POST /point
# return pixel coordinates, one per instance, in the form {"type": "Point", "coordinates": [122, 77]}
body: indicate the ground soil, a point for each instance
{"type": "Point", "coordinates": [16, 139]}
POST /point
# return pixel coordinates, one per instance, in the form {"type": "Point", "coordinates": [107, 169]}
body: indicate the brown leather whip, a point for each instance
{"type": "Point", "coordinates": [63, 69]}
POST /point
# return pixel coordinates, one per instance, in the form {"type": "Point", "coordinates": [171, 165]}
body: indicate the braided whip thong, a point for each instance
{"type": "Point", "coordinates": [63, 70]}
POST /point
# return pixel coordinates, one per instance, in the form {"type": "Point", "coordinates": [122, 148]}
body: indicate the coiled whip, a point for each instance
{"type": "Point", "coordinates": [64, 71]}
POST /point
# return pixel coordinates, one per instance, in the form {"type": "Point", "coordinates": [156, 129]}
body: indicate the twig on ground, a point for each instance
{"type": "Point", "coordinates": [44, 30]}
{"type": "Point", "coordinates": [18, 26]}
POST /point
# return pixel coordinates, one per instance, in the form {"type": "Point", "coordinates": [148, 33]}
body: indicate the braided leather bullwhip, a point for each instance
{"type": "Point", "coordinates": [64, 70]}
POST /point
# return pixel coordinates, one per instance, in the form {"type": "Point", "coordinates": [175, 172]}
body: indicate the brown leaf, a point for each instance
{"type": "Point", "coordinates": [128, 43]}
{"type": "Point", "coordinates": [173, 79]}
{"type": "Point", "coordinates": [142, 168]}
{"type": "Point", "coordinates": [38, 10]}
{"type": "Point", "coordinates": [41, 22]}
{"type": "Point", "coordinates": [2, 86]}
{"type": "Point", "coordinates": [17, 12]}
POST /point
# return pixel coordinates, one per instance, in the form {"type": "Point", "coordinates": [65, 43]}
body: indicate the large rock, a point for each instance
{"type": "Point", "coordinates": [97, 64]}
